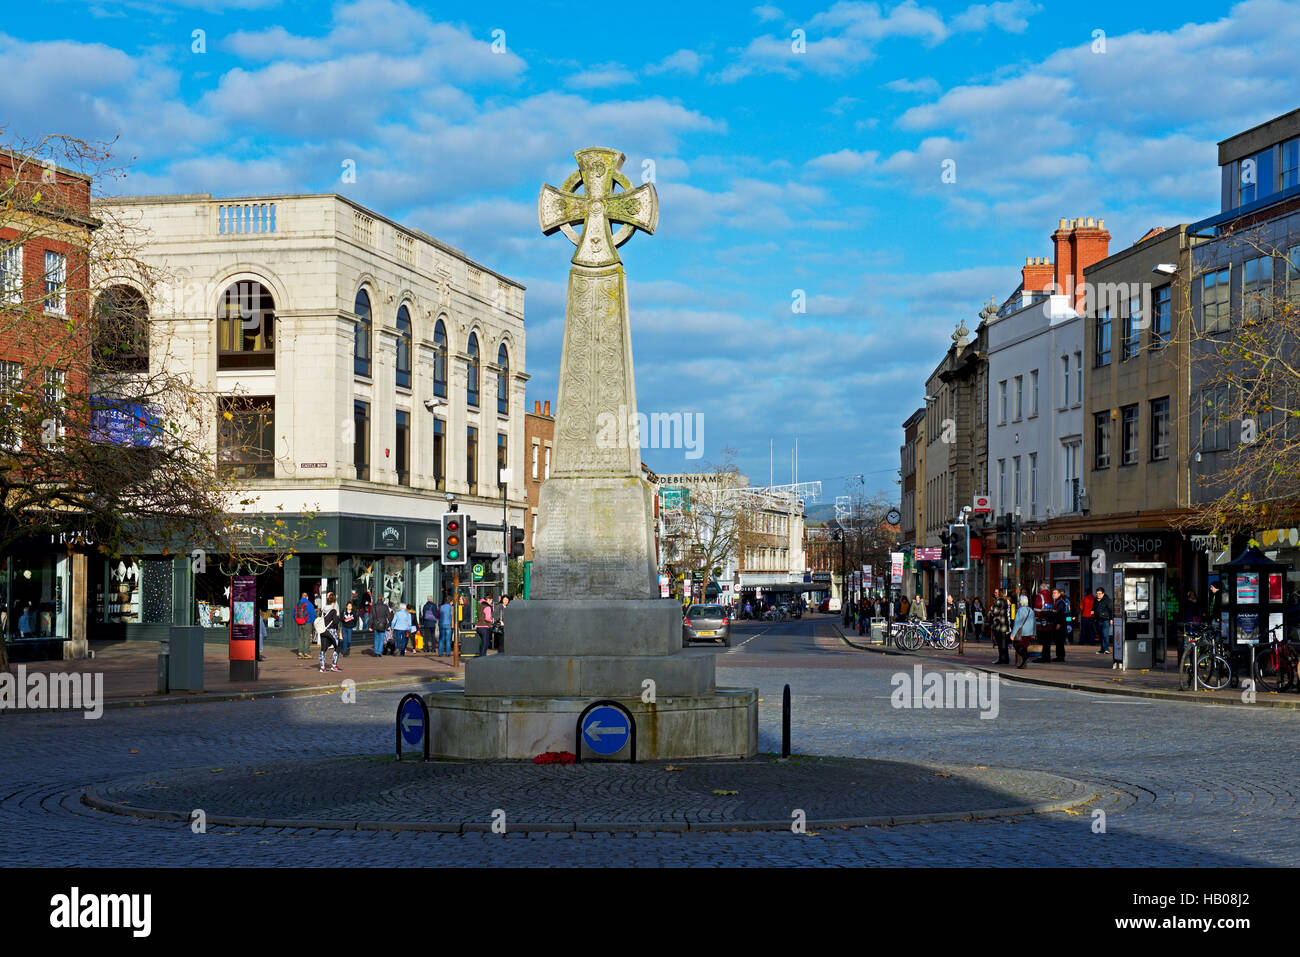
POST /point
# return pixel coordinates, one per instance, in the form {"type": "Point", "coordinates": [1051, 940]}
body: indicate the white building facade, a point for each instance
{"type": "Point", "coordinates": [1035, 396]}
{"type": "Point", "coordinates": [374, 369]}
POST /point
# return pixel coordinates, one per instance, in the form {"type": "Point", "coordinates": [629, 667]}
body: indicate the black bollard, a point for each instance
{"type": "Point", "coordinates": [785, 722]}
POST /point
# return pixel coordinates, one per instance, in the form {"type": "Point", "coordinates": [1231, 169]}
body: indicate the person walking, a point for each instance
{"type": "Point", "coordinates": [347, 623]}
{"type": "Point", "coordinates": [977, 618]}
{"type": "Point", "coordinates": [304, 616]}
{"type": "Point", "coordinates": [261, 633]}
{"type": "Point", "coordinates": [446, 628]}
{"type": "Point", "coordinates": [1000, 615]}
{"type": "Point", "coordinates": [918, 610]}
{"type": "Point", "coordinates": [429, 623]}
{"type": "Point", "coordinates": [381, 617]}
{"type": "Point", "coordinates": [484, 625]}
{"type": "Point", "coordinates": [403, 625]}
{"type": "Point", "coordinates": [499, 623]}
{"type": "Point", "coordinates": [1103, 610]}
{"type": "Point", "coordinates": [1060, 617]}
{"type": "Point", "coordinates": [1022, 631]}
{"type": "Point", "coordinates": [329, 637]}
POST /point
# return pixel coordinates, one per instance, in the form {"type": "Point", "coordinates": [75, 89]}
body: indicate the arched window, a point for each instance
{"type": "Point", "coordinates": [246, 327]}
{"type": "Point", "coordinates": [440, 360]}
{"type": "Point", "coordinates": [403, 348]}
{"type": "Point", "coordinates": [472, 368]}
{"type": "Point", "coordinates": [503, 380]}
{"type": "Point", "coordinates": [122, 330]}
{"type": "Point", "coordinates": [361, 359]}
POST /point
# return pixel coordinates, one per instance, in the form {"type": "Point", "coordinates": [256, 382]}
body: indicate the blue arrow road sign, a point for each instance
{"type": "Point", "coordinates": [411, 720]}
{"type": "Point", "coordinates": [606, 730]}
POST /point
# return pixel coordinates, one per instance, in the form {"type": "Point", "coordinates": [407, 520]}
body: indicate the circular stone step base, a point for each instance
{"type": "Point", "coordinates": [719, 724]}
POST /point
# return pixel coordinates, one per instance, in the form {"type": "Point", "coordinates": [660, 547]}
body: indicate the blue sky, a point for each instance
{"type": "Point", "coordinates": [777, 170]}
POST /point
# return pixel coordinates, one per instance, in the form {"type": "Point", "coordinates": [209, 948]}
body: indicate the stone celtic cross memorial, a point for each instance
{"type": "Point", "coordinates": [594, 626]}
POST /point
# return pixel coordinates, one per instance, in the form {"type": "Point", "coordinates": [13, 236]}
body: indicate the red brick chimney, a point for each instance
{"type": "Point", "coordinates": [537, 407]}
{"type": "Point", "coordinates": [548, 401]}
{"type": "Point", "coordinates": [1079, 243]}
{"type": "Point", "coordinates": [1036, 276]}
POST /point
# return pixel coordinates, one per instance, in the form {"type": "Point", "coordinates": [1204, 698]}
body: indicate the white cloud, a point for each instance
{"type": "Point", "coordinates": [926, 84]}
{"type": "Point", "coordinates": [1011, 16]}
{"type": "Point", "coordinates": [687, 62]}
{"type": "Point", "coordinates": [844, 162]}
{"type": "Point", "coordinates": [598, 77]}
{"type": "Point", "coordinates": [768, 12]}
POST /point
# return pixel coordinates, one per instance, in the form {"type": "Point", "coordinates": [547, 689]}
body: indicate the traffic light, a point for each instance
{"type": "Point", "coordinates": [516, 542]}
{"type": "Point", "coordinates": [945, 536]}
{"type": "Point", "coordinates": [959, 550]}
{"type": "Point", "coordinates": [453, 539]}
{"type": "Point", "coordinates": [471, 537]}
{"type": "Point", "coordinates": [1004, 531]}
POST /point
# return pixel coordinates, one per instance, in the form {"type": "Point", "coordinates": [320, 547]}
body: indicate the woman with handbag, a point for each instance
{"type": "Point", "coordinates": [327, 626]}
{"type": "Point", "coordinates": [1000, 624]}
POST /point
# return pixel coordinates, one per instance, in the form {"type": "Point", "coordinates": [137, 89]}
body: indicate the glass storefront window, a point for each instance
{"type": "Point", "coordinates": [318, 575]}
{"type": "Point", "coordinates": [212, 597]}
{"type": "Point", "coordinates": [36, 606]}
{"type": "Point", "coordinates": [122, 602]}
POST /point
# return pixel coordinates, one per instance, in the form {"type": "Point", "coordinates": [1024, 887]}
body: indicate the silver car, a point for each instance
{"type": "Point", "coordinates": [706, 623]}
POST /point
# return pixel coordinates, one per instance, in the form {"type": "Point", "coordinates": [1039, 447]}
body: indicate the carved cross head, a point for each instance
{"type": "Point", "coordinates": [597, 207]}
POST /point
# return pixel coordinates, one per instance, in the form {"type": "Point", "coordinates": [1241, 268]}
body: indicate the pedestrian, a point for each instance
{"type": "Point", "coordinates": [401, 627]}
{"type": "Point", "coordinates": [484, 625]}
{"type": "Point", "coordinates": [381, 617]}
{"type": "Point", "coordinates": [1087, 627]}
{"type": "Point", "coordinates": [1103, 610]}
{"type": "Point", "coordinates": [978, 623]}
{"type": "Point", "coordinates": [347, 623]}
{"type": "Point", "coordinates": [261, 633]}
{"type": "Point", "coordinates": [429, 622]}
{"type": "Point", "coordinates": [329, 633]}
{"type": "Point", "coordinates": [499, 623]}
{"type": "Point", "coordinates": [1216, 603]}
{"type": "Point", "coordinates": [1000, 614]}
{"type": "Point", "coordinates": [1060, 611]}
{"type": "Point", "coordinates": [304, 616]}
{"type": "Point", "coordinates": [1022, 631]}
{"type": "Point", "coordinates": [918, 610]}
{"type": "Point", "coordinates": [446, 628]}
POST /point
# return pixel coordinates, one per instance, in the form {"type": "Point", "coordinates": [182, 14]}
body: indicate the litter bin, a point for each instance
{"type": "Point", "coordinates": [878, 626]}
{"type": "Point", "coordinates": [186, 667]}
{"type": "Point", "coordinates": [1137, 654]}
{"type": "Point", "coordinates": [164, 666]}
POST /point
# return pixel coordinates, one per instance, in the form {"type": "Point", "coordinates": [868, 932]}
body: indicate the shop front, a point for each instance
{"type": "Point", "coordinates": [42, 596]}
{"type": "Point", "coordinates": [356, 558]}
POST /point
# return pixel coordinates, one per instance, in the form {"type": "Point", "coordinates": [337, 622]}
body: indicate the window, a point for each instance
{"type": "Point", "coordinates": [1002, 403]}
{"type": "Point", "coordinates": [1256, 285]}
{"type": "Point", "coordinates": [56, 280]}
{"type": "Point", "coordinates": [1293, 274]}
{"type": "Point", "coordinates": [1020, 397]}
{"type": "Point", "coordinates": [1131, 338]}
{"type": "Point", "coordinates": [503, 460]}
{"type": "Point", "coordinates": [1129, 435]}
{"type": "Point", "coordinates": [503, 381]}
{"type": "Point", "coordinates": [1215, 316]}
{"type": "Point", "coordinates": [361, 439]}
{"type": "Point", "coordinates": [1245, 185]}
{"type": "Point", "coordinates": [246, 327]}
{"type": "Point", "coordinates": [11, 383]}
{"type": "Point", "coordinates": [1033, 393]}
{"type": "Point", "coordinates": [440, 360]}
{"type": "Point", "coordinates": [1161, 315]}
{"type": "Point", "coordinates": [1065, 381]}
{"type": "Point", "coordinates": [471, 459]}
{"type": "Point", "coordinates": [1290, 167]}
{"type": "Point", "coordinates": [403, 348]}
{"type": "Point", "coordinates": [1159, 429]}
{"type": "Point", "coordinates": [1101, 439]}
{"type": "Point", "coordinates": [471, 371]}
{"type": "Point", "coordinates": [1078, 378]}
{"type": "Point", "coordinates": [362, 351]}
{"type": "Point", "coordinates": [1002, 485]}
{"type": "Point", "coordinates": [546, 472]}
{"type": "Point", "coordinates": [1214, 419]}
{"type": "Point", "coordinates": [11, 273]}
{"type": "Point", "coordinates": [246, 437]}
{"type": "Point", "coordinates": [1103, 339]}
{"type": "Point", "coordinates": [121, 331]}
{"type": "Point", "coordinates": [402, 447]}
{"type": "Point", "coordinates": [536, 456]}
{"type": "Point", "coordinates": [1015, 482]}
{"type": "Point", "coordinates": [1033, 483]}
{"type": "Point", "coordinates": [439, 453]}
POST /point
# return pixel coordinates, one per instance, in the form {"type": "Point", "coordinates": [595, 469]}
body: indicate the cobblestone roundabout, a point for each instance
{"type": "Point", "coordinates": [764, 792]}
{"type": "Point", "coordinates": [1195, 785]}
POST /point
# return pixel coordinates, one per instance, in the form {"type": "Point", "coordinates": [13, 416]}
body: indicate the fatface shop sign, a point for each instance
{"type": "Point", "coordinates": [390, 535]}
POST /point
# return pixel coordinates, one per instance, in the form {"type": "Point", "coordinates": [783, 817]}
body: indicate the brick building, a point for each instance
{"type": "Point", "coordinates": [539, 436]}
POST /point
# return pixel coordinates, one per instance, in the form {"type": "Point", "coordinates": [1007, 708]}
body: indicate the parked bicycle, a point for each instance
{"type": "Point", "coordinates": [912, 634]}
{"type": "Point", "coordinates": [1275, 665]}
{"type": "Point", "coordinates": [1206, 647]}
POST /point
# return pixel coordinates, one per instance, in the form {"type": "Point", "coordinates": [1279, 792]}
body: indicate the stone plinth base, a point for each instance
{"type": "Point", "coordinates": [613, 676]}
{"type": "Point", "coordinates": [615, 626]}
{"type": "Point", "coordinates": [718, 724]}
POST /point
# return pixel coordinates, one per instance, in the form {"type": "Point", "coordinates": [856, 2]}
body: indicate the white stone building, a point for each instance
{"type": "Point", "coordinates": [1035, 402]}
{"type": "Point", "coordinates": [374, 368]}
